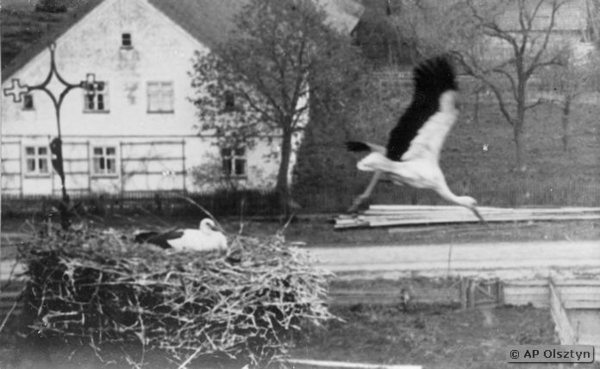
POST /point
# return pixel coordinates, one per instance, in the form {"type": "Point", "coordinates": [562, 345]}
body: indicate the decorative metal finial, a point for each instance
{"type": "Point", "coordinates": [17, 91]}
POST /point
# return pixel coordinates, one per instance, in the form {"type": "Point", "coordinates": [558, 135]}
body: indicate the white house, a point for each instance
{"type": "Point", "coordinates": [135, 131]}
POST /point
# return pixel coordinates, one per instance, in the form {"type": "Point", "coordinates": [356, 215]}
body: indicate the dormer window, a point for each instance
{"type": "Point", "coordinates": [126, 40]}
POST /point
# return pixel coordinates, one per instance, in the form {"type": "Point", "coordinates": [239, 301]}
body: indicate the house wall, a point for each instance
{"type": "Point", "coordinates": [142, 164]}
{"type": "Point", "coordinates": [155, 143]}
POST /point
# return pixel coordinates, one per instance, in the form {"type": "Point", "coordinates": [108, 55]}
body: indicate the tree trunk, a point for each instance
{"type": "Point", "coordinates": [476, 107]}
{"type": "Point", "coordinates": [520, 164]}
{"type": "Point", "coordinates": [565, 122]}
{"type": "Point", "coordinates": [282, 186]}
{"type": "Point", "coordinates": [518, 125]}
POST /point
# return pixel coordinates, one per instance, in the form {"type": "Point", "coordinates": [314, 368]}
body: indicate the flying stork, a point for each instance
{"type": "Point", "coordinates": [206, 238]}
{"type": "Point", "coordinates": [413, 150]}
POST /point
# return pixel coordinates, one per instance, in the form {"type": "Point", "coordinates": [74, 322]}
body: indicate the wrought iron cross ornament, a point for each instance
{"type": "Point", "coordinates": [17, 91]}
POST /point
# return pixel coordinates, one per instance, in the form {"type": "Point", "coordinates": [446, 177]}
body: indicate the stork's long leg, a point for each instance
{"type": "Point", "coordinates": [366, 194]}
{"type": "Point", "coordinates": [474, 209]}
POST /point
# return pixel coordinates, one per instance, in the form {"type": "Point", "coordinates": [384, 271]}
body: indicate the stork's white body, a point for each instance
{"type": "Point", "coordinates": [199, 240]}
{"type": "Point", "coordinates": [413, 152]}
{"type": "Point", "coordinates": [205, 238]}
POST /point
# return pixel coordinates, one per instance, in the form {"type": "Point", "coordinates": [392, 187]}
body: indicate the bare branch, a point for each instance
{"type": "Point", "coordinates": [540, 101]}
{"type": "Point", "coordinates": [535, 63]}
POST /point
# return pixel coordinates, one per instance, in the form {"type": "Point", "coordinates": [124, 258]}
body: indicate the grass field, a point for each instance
{"type": "Point", "coordinates": [478, 158]}
{"type": "Point", "coordinates": [434, 337]}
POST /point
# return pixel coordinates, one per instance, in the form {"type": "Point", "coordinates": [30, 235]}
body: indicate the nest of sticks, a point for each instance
{"type": "Point", "coordinates": [97, 288]}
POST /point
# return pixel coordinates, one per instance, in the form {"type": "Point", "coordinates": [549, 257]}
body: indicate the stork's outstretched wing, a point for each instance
{"type": "Point", "coordinates": [422, 129]}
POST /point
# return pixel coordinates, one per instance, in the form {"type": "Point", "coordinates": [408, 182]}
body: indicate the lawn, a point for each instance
{"type": "Point", "coordinates": [433, 336]}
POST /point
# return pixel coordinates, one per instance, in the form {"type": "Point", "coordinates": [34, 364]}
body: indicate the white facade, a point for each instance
{"type": "Point", "coordinates": [141, 135]}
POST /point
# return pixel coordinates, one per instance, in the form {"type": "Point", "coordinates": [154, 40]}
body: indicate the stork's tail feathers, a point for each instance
{"type": "Point", "coordinates": [144, 236]}
{"type": "Point", "coordinates": [435, 75]}
{"type": "Point", "coordinates": [356, 146]}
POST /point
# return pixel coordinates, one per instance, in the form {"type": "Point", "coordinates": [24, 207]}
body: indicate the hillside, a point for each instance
{"type": "Point", "coordinates": [21, 25]}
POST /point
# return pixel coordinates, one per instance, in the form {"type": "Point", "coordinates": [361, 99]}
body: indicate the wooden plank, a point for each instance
{"type": "Point", "coordinates": [398, 215]}
{"type": "Point", "coordinates": [566, 333]}
{"type": "Point", "coordinates": [557, 283]}
{"type": "Point", "coordinates": [421, 207]}
{"type": "Point", "coordinates": [379, 222]}
{"type": "Point", "coordinates": [486, 216]}
{"type": "Point", "coordinates": [481, 208]}
{"type": "Point", "coordinates": [340, 364]}
{"type": "Point", "coordinates": [582, 304]}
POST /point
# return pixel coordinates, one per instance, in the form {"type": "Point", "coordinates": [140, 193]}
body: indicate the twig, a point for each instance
{"type": "Point", "coordinates": [201, 208]}
{"type": "Point", "coordinates": [449, 259]}
{"type": "Point", "coordinates": [12, 309]}
{"type": "Point", "coordinates": [12, 272]}
{"type": "Point", "coordinates": [190, 358]}
{"type": "Point", "coordinates": [281, 231]}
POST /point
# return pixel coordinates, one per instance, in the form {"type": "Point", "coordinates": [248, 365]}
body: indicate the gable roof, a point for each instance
{"type": "Point", "coordinates": [208, 21]}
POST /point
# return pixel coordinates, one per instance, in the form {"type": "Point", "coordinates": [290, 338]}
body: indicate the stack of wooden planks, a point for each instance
{"type": "Point", "coordinates": [404, 215]}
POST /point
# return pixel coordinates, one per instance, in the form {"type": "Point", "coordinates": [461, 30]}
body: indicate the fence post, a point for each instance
{"type": "Point", "coordinates": [499, 292]}
{"type": "Point", "coordinates": [463, 293]}
{"type": "Point", "coordinates": [158, 203]}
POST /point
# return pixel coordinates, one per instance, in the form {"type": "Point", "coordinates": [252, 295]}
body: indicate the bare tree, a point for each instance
{"type": "Point", "coordinates": [501, 43]}
{"type": "Point", "coordinates": [530, 47]}
{"type": "Point", "coordinates": [565, 84]}
{"type": "Point", "coordinates": [258, 83]}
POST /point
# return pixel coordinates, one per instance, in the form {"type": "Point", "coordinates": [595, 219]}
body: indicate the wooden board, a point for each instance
{"type": "Point", "coordinates": [565, 332]}
{"type": "Point", "coordinates": [298, 363]}
{"type": "Point", "coordinates": [406, 215]}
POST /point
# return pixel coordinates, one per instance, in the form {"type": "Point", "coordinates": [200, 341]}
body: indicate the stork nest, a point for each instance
{"type": "Point", "coordinates": [96, 288]}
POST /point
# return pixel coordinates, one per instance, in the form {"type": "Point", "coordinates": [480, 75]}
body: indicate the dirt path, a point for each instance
{"type": "Point", "coordinates": [505, 260]}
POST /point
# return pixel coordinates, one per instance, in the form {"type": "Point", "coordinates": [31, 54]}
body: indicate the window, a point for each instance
{"type": "Point", "coordinates": [28, 102]}
{"type": "Point", "coordinates": [229, 101]}
{"type": "Point", "coordinates": [37, 160]}
{"type": "Point", "coordinates": [126, 40]}
{"type": "Point", "coordinates": [160, 97]}
{"type": "Point", "coordinates": [234, 162]}
{"type": "Point", "coordinates": [104, 160]}
{"type": "Point", "coordinates": [96, 97]}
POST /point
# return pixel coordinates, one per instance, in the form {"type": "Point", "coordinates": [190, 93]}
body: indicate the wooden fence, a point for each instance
{"type": "Point", "coordinates": [248, 203]}
{"type": "Point", "coordinates": [574, 294]}
{"type": "Point", "coordinates": [322, 200]}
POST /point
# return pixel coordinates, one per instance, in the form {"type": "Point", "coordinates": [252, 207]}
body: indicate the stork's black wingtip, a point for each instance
{"type": "Point", "coordinates": [436, 74]}
{"type": "Point", "coordinates": [356, 146]}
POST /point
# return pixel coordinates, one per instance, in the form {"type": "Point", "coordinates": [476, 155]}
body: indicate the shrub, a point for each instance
{"type": "Point", "coordinates": [101, 289]}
